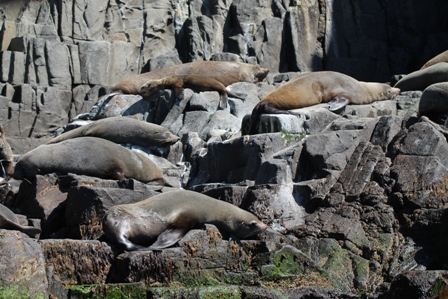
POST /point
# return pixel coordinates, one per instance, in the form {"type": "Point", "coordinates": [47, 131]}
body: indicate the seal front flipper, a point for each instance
{"type": "Point", "coordinates": [236, 94]}
{"type": "Point", "coordinates": [169, 237]}
{"type": "Point", "coordinates": [8, 224]}
{"type": "Point", "coordinates": [338, 102]}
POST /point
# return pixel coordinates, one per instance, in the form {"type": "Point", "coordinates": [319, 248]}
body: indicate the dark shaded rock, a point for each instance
{"type": "Point", "coordinates": [43, 198]}
{"type": "Point", "coordinates": [418, 284]}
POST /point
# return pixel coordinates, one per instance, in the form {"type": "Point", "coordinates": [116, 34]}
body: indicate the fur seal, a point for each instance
{"type": "Point", "coordinates": [421, 79]}
{"type": "Point", "coordinates": [167, 217]}
{"type": "Point", "coordinates": [434, 101]}
{"type": "Point", "coordinates": [6, 156]}
{"type": "Point", "coordinates": [179, 82]}
{"type": "Point", "coordinates": [442, 57]}
{"type": "Point", "coordinates": [9, 220]}
{"type": "Point", "coordinates": [123, 130]}
{"type": "Point", "coordinates": [226, 72]}
{"type": "Point", "coordinates": [87, 156]}
{"type": "Point", "coordinates": [313, 88]}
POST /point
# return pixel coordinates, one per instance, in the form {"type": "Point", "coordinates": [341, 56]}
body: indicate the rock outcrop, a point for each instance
{"type": "Point", "coordinates": [355, 202]}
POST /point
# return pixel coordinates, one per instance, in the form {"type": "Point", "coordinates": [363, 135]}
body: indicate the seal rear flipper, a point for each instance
{"type": "Point", "coordinates": [127, 245]}
{"type": "Point", "coordinates": [8, 224]}
{"type": "Point", "coordinates": [169, 237]}
{"type": "Point", "coordinates": [179, 92]}
{"type": "Point", "coordinates": [337, 103]}
{"type": "Point", "coordinates": [30, 231]}
{"type": "Point", "coordinates": [223, 100]}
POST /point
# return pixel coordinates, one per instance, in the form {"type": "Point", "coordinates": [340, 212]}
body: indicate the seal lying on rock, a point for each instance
{"type": "Point", "coordinates": [167, 217]}
{"type": "Point", "coordinates": [179, 82]}
{"type": "Point", "coordinates": [421, 79]}
{"type": "Point", "coordinates": [442, 57]}
{"type": "Point", "coordinates": [123, 130]}
{"type": "Point", "coordinates": [88, 156]}
{"type": "Point", "coordinates": [226, 72]}
{"type": "Point", "coordinates": [313, 88]}
{"type": "Point", "coordinates": [434, 101]}
{"type": "Point", "coordinates": [9, 220]}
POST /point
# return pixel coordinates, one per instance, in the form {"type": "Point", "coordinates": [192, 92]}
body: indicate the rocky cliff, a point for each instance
{"type": "Point", "coordinates": [355, 201]}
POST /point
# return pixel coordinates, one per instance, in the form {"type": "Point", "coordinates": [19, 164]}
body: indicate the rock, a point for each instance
{"type": "Point", "coordinates": [418, 284]}
{"type": "Point", "coordinates": [23, 265]}
{"type": "Point", "coordinates": [355, 201]}
{"type": "Point", "coordinates": [78, 262]}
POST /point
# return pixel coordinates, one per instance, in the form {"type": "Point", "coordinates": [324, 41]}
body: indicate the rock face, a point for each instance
{"type": "Point", "coordinates": [59, 57]}
{"type": "Point", "coordinates": [355, 201]}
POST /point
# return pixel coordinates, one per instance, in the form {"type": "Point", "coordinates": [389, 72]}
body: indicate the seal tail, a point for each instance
{"type": "Point", "coordinates": [255, 117]}
{"type": "Point", "coordinates": [223, 101]}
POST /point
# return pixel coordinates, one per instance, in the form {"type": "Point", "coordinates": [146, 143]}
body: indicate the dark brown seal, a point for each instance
{"type": "Point", "coordinates": [90, 156]}
{"type": "Point", "coordinates": [442, 57]}
{"type": "Point", "coordinates": [123, 130]}
{"type": "Point", "coordinates": [9, 220]}
{"type": "Point", "coordinates": [6, 155]}
{"type": "Point", "coordinates": [226, 72]}
{"type": "Point", "coordinates": [423, 78]}
{"type": "Point", "coordinates": [434, 101]}
{"type": "Point", "coordinates": [167, 217]}
{"type": "Point", "coordinates": [179, 82]}
{"type": "Point", "coordinates": [313, 88]}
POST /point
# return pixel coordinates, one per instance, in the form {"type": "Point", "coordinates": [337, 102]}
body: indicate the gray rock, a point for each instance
{"type": "Point", "coordinates": [23, 264]}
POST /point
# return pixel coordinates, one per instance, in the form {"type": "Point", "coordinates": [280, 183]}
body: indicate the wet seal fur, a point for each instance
{"type": "Point", "coordinates": [6, 156]}
{"type": "Point", "coordinates": [313, 88]}
{"type": "Point", "coordinates": [226, 72]}
{"type": "Point", "coordinates": [434, 102]}
{"type": "Point", "coordinates": [179, 82]}
{"type": "Point", "coordinates": [124, 130]}
{"type": "Point", "coordinates": [167, 217]}
{"type": "Point", "coordinates": [88, 156]}
{"type": "Point", "coordinates": [442, 57]}
{"type": "Point", "coordinates": [423, 78]}
{"type": "Point", "coordinates": [9, 220]}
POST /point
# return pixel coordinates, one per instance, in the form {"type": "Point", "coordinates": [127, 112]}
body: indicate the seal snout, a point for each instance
{"type": "Point", "coordinates": [393, 92]}
{"type": "Point", "coordinates": [262, 227]}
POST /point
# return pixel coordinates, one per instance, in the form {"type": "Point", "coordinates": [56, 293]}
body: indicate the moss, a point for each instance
{"type": "Point", "coordinates": [222, 292]}
{"type": "Point", "coordinates": [438, 286]}
{"type": "Point", "coordinates": [17, 292]}
{"type": "Point", "coordinates": [289, 137]}
{"type": "Point", "coordinates": [109, 291]}
{"type": "Point", "coordinates": [288, 262]}
{"type": "Point", "coordinates": [200, 280]}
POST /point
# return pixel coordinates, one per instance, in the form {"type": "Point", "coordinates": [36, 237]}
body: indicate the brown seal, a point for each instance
{"type": "Point", "coordinates": [90, 156]}
{"type": "Point", "coordinates": [313, 88]}
{"type": "Point", "coordinates": [226, 72]}
{"type": "Point", "coordinates": [167, 217]}
{"type": "Point", "coordinates": [124, 130]}
{"type": "Point", "coordinates": [442, 57]}
{"type": "Point", "coordinates": [179, 82]}
{"type": "Point", "coordinates": [9, 220]}
{"type": "Point", "coordinates": [6, 155]}
{"type": "Point", "coordinates": [434, 101]}
{"type": "Point", "coordinates": [423, 78]}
